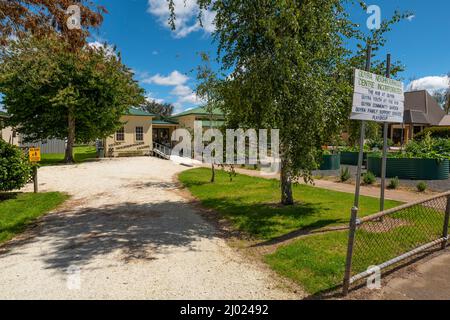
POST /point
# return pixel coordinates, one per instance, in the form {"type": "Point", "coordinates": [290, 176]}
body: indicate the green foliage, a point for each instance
{"type": "Point", "coordinates": [345, 174]}
{"type": "Point", "coordinates": [435, 132]}
{"type": "Point", "coordinates": [377, 143]}
{"type": "Point", "coordinates": [427, 148]}
{"type": "Point", "coordinates": [422, 186]}
{"type": "Point", "coordinates": [15, 169]}
{"type": "Point", "coordinates": [43, 82]}
{"type": "Point", "coordinates": [162, 110]}
{"type": "Point", "coordinates": [394, 183]}
{"type": "Point", "coordinates": [369, 178]}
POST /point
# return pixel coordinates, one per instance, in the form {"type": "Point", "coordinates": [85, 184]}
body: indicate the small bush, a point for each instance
{"type": "Point", "coordinates": [369, 178]}
{"type": "Point", "coordinates": [15, 169]}
{"type": "Point", "coordinates": [394, 183]}
{"type": "Point", "coordinates": [422, 187]}
{"type": "Point", "coordinates": [435, 132]}
{"type": "Point", "coordinates": [345, 174]}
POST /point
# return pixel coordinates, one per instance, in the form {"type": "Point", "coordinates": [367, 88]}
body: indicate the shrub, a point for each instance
{"type": "Point", "coordinates": [394, 183]}
{"type": "Point", "coordinates": [435, 132]}
{"type": "Point", "coordinates": [422, 186]}
{"type": "Point", "coordinates": [369, 178]}
{"type": "Point", "coordinates": [15, 169]}
{"type": "Point", "coordinates": [345, 174]}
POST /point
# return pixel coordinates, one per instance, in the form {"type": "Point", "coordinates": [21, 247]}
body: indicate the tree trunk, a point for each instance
{"type": "Point", "coordinates": [70, 138]}
{"type": "Point", "coordinates": [287, 198]}
{"type": "Point", "coordinates": [213, 173]}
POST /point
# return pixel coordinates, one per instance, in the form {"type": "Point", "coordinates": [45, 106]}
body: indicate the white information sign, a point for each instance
{"type": "Point", "coordinates": [377, 98]}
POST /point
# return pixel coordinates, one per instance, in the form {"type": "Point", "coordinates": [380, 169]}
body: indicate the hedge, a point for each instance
{"type": "Point", "coordinates": [436, 132]}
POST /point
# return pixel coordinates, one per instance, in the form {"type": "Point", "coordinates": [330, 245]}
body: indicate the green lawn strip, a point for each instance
{"type": "Point", "coordinates": [318, 262]}
{"type": "Point", "coordinates": [19, 210]}
{"type": "Point", "coordinates": [251, 203]}
{"type": "Point", "coordinates": [81, 153]}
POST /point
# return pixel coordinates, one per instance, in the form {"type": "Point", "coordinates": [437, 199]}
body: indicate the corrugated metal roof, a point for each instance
{"type": "Point", "coordinates": [164, 122]}
{"type": "Point", "coordinates": [139, 112]}
{"type": "Point", "coordinates": [200, 111]}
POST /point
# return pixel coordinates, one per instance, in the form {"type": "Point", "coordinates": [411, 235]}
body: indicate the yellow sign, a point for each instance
{"type": "Point", "coordinates": [35, 154]}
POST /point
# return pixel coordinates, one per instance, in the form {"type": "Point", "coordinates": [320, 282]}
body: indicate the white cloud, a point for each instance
{"type": "Point", "coordinates": [149, 97]}
{"type": "Point", "coordinates": [109, 49]}
{"type": "Point", "coordinates": [174, 79]}
{"type": "Point", "coordinates": [186, 12]}
{"type": "Point", "coordinates": [181, 90]}
{"type": "Point", "coordinates": [432, 84]}
{"type": "Point", "coordinates": [190, 98]}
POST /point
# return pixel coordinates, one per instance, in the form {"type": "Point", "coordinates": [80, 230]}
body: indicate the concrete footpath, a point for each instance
{"type": "Point", "coordinates": [398, 195]}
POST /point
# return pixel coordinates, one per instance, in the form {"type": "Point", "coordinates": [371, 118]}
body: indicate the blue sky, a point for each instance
{"type": "Point", "coordinates": [164, 60]}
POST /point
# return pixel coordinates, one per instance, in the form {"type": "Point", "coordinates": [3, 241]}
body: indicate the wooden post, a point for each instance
{"type": "Point", "coordinates": [35, 179]}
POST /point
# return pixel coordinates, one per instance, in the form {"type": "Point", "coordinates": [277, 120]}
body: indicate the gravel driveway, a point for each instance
{"type": "Point", "coordinates": [126, 234]}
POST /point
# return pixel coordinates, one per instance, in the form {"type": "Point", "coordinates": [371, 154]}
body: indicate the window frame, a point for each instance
{"type": "Point", "coordinates": [121, 131]}
{"type": "Point", "coordinates": [136, 134]}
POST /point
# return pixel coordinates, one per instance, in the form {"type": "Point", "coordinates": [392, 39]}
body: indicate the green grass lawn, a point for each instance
{"type": "Point", "coordinates": [81, 154]}
{"type": "Point", "coordinates": [19, 210]}
{"type": "Point", "coordinates": [317, 262]}
{"type": "Point", "coordinates": [251, 203]}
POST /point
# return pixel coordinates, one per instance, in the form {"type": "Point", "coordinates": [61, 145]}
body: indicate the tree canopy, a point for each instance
{"type": "Point", "coordinates": [289, 69]}
{"type": "Point", "coordinates": [160, 109]}
{"type": "Point", "coordinates": [41, 18]}
{"type": "Point", "coordinates": [52, 92]}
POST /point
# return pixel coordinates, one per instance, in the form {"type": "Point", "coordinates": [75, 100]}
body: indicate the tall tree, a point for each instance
{"type": "Point", "coordinates": [45, 86]}
{"type": "Point", "coordinates": [160, 109]}
{"type": "Point", "coordinates": [68, 20]}
{"type": "Point", "coordinates": [289, 71]}
{"type": "Point", "coordinates": [208, 91]}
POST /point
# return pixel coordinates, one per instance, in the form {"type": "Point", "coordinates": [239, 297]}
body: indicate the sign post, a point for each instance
{"type": "Point", "coordinates": [380, 99]}
{"type": "Point", "coordinates": [354, 215]}
{"type": "Point", "coordinates": [385, 146]}
{"type": "Point", "coordinates": [35, 156]}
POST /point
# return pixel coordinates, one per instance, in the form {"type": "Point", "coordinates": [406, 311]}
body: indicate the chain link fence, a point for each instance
{"type": "Point", "coordinates": [387, 238]}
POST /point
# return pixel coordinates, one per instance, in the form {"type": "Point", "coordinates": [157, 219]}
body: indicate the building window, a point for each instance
{"type": "Point", "coordinates": [139, 133]}
{"type": "Point", "coordinates": [120, 134]}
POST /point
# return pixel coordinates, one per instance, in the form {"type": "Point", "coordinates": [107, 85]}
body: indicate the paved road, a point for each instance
{"type": "Point", "coordinates": [126, 234]}
{"type": "Point", "coordinates": [428, 280]}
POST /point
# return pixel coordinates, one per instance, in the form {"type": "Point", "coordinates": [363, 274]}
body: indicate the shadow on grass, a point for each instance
{"type": "Point", "coordinates": [270, 221]}
{"type": "Point", "coordinates": [8, 196]}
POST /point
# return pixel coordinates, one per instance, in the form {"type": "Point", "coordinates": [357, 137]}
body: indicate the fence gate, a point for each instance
{"type": "Point", "coordinates": [392, 236]}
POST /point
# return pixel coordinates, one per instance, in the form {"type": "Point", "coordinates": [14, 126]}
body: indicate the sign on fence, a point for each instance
{"type": "Point", "coordinates": [35, 154]}
{"type": "Point", "coordinates": [377, 98]}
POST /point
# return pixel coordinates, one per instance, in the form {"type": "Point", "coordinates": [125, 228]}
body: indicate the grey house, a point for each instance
{"type": "Point", "coordinates": [421, 111]}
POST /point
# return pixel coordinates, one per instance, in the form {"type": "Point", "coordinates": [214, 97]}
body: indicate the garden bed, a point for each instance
{"type": "Point", "coordinates": [351, 157]}
{"type": "Point", "coordinates": [411, 168]}
{"type": "Point", "coordinates": [331, 162]}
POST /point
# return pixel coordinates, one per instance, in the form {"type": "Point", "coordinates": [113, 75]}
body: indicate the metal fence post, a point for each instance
{"type": "Point", "coordinates": [351, 242]}
{"type": "Point", "coordinates": [446, 222]}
